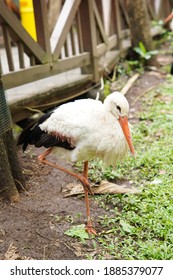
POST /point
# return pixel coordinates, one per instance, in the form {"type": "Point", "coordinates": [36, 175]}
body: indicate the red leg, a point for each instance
{"type": "Point", "coordinates": [89, 228]}
{"type": "Point", "coordinates": [82, 179]}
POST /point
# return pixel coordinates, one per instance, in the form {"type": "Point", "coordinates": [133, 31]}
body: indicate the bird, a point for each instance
{"type": "Point", "coordinates": [83, 130]}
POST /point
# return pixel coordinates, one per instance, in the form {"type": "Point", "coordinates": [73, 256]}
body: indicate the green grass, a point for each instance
{"type": "Point", "coordinates": [141, 226]}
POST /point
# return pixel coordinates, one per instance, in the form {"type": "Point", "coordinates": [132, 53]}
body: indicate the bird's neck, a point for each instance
{"type": "Point", "coordinates": [109, 117]}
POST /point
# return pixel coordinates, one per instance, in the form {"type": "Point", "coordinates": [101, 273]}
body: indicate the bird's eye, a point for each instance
{"type": "Point", "coordinates": [118, 108]}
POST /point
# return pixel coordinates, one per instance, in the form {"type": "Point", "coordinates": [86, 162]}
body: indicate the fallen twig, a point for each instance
{"type": "Point", "coordinates": [129, 83]}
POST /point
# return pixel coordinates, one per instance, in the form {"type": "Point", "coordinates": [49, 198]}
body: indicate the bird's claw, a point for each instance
{"type": "Point", "coordinates": [91, 230]}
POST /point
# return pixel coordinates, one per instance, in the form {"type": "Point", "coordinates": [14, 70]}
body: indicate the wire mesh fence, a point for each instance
{"type": "Point", "coordinates": [5, 115]}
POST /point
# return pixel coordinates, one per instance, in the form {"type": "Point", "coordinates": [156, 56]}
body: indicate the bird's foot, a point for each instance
{"type": "Point", "coordinates": [91, 230]}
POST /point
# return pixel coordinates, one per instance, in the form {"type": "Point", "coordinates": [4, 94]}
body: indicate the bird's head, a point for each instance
{"type": "Point", "coordinates": [118, 106]}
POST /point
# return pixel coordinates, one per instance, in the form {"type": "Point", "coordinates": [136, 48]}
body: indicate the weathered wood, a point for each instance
{"type": "Point", "coordinates": [100, 24]}
{"type": "Point", "coordinates": [43, 71]}
{"type": "Point", "coordinates": [54, 8]}
{"type": "Point", "coordinates": [66, 49]}
{"type": "Point", "coordinates": [42, 28]}
{"type": "Point", "coordinates": [18, 30]}
{"type": "Point", "coordinates": [151, 11]}
{"type": "Point", "coordinates": [103, 48]}
{"type": "Point", "coordinates": [79, 31]}
{"type": "Point", "coordinates": [32, 60]}
{"type": "Point", "coordinates": [46, 94]}
{"type": "Point", "coordinates": [124, 10]}
{"type": "Point", "coordinates": [164, 8]}
{"type": "Point", "coordinates": [21, 54]}
{"type": "Point", "coordinates": [7, 43]}
{"type": "Point", "coordinates": [117, 20]}
{"type": "Point", "coordinates": [0, 66]}
{"type": "Point", "coordinates": [63, 26]}
{"type": "Point", "coordinates": [108, 62]}
{"type": "Point", "coordinates": [72, 38]}
{"type": "Point", "coordinates": [89, 36]}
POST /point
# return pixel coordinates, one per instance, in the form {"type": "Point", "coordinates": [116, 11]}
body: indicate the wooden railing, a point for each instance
{"type": "Point", "coordinates": [86, 36]}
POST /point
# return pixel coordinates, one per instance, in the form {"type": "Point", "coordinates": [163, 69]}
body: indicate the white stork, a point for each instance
{"type": "Point", "coordinates": [80, 131]}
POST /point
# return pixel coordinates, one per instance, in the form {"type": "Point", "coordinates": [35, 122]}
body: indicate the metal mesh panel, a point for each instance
{"type": "Point", "coordinates": [5, 115]}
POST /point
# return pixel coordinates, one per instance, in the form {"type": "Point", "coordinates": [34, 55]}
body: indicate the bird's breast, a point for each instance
{"type": "Point", "coordinates": [113, 147]}
{"type": "Point", "coordinates": [106, 143]}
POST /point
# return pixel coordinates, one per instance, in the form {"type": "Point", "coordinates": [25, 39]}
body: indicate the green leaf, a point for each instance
{"type": "Point", "coordinates": [126, 227]}
{"type": "Point", "coordinates": [78, 231]}
{"type": "Point", "coordinates": [147, 56]}
{"type": "Point", "coordinates": [153, 52]}
{"type": "Point", "coordinates": [142, 47]}
{"type": "Point", "coordinates": [139, 51]}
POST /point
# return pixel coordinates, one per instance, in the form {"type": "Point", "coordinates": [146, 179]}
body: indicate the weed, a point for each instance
{"type": "Point", "coordinates": [143, 53]}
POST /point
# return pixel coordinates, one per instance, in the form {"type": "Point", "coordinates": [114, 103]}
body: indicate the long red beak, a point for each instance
{"type": "Point", "coordinates": [125, 128]}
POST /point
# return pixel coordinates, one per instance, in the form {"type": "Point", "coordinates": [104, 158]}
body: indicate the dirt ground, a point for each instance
{"type": "Point", "coordinates": [34, 228]}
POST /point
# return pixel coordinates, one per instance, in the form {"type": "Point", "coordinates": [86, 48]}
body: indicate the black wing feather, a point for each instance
{"type": "Point", "coordinates": [33, 135]}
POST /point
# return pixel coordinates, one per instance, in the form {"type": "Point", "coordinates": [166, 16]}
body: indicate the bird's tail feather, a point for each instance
{"type": "Point", "coordinates": [29, 135]}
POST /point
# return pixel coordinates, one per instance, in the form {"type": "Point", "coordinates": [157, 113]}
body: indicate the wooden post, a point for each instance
{"type": "Point", "coordinates": [42, 29]}
{"type": "Point", "coordinates": [88, 27]}
{"type": "Point", "coordinates": [164, 8]}
{"type": "Point", "coordinates": [21, 54]}
{"type": "Point", "coordinates": [63, 25]}
{"type": "Point", "coordinates": [7, 43]}
{"type": "Point", "coordinates": [151, 10]}
{"type": "Point", "coordinates": [79, 31]}
{"type": "Point", "coordinates": [117, 20]}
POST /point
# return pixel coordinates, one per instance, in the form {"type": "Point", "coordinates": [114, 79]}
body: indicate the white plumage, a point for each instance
{"type": "Point", "coordinates": [92, 127]}
{"type": "Point", "coordinates": [80, 131]}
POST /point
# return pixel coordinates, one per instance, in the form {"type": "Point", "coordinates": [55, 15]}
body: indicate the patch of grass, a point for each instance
{"type": "Point", "coordinates": [78, 232]}
{"type": "Point", "coordinates": [141, 226]}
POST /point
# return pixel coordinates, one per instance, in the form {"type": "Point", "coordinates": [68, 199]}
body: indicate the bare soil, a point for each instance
{"type": "Point", "coordinates": [34, 228]}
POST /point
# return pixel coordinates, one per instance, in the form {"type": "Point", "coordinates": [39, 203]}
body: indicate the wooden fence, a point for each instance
{"type": "Point", "coordinates": [87, 35]}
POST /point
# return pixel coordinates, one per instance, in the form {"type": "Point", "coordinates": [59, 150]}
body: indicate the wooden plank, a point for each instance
{"type": "Point", "coordinates": [125, 33]}
{"type": "Point", "coordinates": [123, 8]}
{"type": "Point", "coordinates": [160, 9]}
{"type": "Point", "coordinates": [63, 26]}
{"type": "Point", "coordinates": [117, 19]}
{"type": "Point", "coordinates": [32, 60]}
{"type": "Point", "coordinates": [42, 28]}
{"type": "Point", "coordinates": [0, 66]}
{"type": "Point", "coordinates": [103, 48]}
{"type": "Point", "coordinates": [66, 49]}
{"type": "Point", "coordinates": [166, 8]}
{"type": "Point", "coordinates": [89, 36]}
{"type": "Point", "coordinates": [37, 72]}
{"type": "Point", "coordinates": [72, 38]}
{"type": "Point", "coordinates": [18, 30]}
{"type": "Point", "coordinates": [41, 96]}
{"type": "Point", "coordinates": [25, 76]}
{"type": "Point", "coordinates": [112, 42]}
{"type": "Point", "coordinates": [66, 64]}
{"type": "Point", "coordinates": [7, 43]}
{"type": "Point", "coordinates": [42, 90]}
{"type": "Point", "coordinates": [100, 24]}
{"type": "Point", "coordinates": [110, 60]}
{"type": "Point", "coordinates": [79, 32]}
{"type": "Point", "coordinates": [21, 54]}
{"type": "Point", "coordinates": [151, 11]}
